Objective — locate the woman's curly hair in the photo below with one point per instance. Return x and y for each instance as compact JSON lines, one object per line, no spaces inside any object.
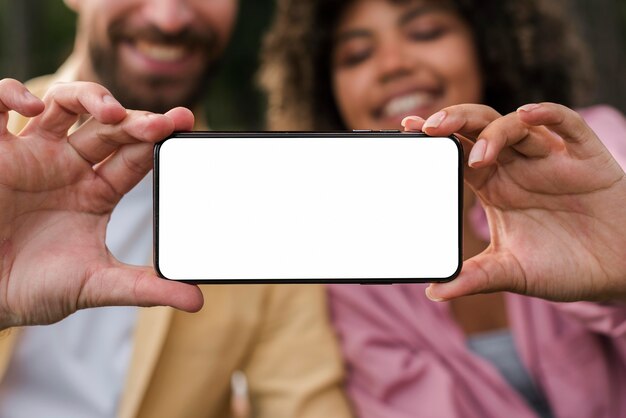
{"x":528,"y":53}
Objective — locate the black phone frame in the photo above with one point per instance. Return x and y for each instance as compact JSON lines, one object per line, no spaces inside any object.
{"x":305,"y":134}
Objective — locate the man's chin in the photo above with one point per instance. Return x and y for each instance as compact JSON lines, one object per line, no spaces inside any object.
{"x":149,"y":91}
{"x":159,"y":99}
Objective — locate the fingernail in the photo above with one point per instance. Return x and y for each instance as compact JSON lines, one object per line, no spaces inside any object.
{"x":528,"y":107}
{"x":477,"y":154}
{"x":30,"y":96}
{"x":413,"y":118}
{"x":435,"y":120}
{"x":152,"y":116}
{"x":108,"y":99}
{"x":429,"y":295}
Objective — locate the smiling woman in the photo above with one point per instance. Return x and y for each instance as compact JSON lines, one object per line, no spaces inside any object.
{"x":390,"y":62}
{"x":462,"y":64}
{"x":526,"y":50}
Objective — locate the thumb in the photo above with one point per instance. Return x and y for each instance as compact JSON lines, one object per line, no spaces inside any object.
{"x":487,"y":272}
{"x":138,"y":286}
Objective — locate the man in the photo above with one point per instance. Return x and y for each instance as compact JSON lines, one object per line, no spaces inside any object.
{"x":156,"y":55}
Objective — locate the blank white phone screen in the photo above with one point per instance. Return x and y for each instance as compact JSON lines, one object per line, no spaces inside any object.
{"x":314,"y":208}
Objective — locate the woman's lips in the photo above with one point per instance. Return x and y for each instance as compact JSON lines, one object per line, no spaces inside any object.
{"x":407,"y":104}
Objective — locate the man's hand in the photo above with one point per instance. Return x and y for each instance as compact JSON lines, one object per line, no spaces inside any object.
{"x":554,"y":197}
{"x":57,"y":192}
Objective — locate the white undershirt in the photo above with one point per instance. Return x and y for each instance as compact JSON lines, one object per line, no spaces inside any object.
{"x":77,"y":367}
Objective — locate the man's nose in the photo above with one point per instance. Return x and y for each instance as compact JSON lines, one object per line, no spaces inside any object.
{"x":170,"y":16}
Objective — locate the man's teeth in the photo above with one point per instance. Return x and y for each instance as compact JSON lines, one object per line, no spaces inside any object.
{"x":160,"y":52}
{"x":400,"y":106}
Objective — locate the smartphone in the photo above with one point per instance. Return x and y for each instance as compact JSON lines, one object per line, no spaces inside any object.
{"x":303,"y":207}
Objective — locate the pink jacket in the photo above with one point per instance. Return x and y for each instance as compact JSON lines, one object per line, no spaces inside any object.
{"x":406,"y":356}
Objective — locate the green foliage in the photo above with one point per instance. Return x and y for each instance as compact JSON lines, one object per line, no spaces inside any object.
{"x":233,"y":101}
{"x":36,"y":37}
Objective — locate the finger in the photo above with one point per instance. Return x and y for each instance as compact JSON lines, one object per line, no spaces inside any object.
{"x":182,"y":117}
{"x":413,"y":123}
{"x":138,"y":286}
{"x":124,"y":169}
{"x":484,"y":273}
{"x":563,"y":121}
{"x":473,"y":177}
{"x":14,"y":96}
{"x":95,"y":141}
{"x":510,"y":131}
{"x":66,"y":101}
{"x":468,"y":120}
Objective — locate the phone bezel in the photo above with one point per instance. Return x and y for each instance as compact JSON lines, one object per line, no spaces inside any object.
{"x":304,"y":134}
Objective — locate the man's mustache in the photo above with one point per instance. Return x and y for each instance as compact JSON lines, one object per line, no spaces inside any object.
{"x":194,"y":39}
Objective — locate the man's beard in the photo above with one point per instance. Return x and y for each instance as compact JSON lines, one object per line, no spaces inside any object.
{"x":152,"y":92}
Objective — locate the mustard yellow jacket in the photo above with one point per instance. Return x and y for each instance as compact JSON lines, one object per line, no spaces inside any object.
{"x":278,"y":335}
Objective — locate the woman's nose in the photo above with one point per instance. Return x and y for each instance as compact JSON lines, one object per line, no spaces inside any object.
{"x":393,"y":59}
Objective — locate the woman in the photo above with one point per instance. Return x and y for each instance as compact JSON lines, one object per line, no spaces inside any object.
{"x":368,"y":64}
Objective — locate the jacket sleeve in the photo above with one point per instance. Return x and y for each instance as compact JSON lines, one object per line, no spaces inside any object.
{"x":608,"y":319}
{"x":295,"y":368}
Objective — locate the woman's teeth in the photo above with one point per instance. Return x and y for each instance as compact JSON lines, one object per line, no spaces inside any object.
{"x":161,"y":52}
{"x":400,"y":106}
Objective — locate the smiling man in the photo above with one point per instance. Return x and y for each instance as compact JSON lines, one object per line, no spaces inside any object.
{"x":156,"y":55}
{"x":152,"y":55}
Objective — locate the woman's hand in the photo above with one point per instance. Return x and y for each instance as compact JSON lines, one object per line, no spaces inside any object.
{"x":57,"y":192}
{"x":555,"y":201}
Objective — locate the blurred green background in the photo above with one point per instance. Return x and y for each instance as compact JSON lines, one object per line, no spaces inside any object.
{"x":37,"y":35}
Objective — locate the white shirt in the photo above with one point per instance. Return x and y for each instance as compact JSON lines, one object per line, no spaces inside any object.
{"x":76,"y":368}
